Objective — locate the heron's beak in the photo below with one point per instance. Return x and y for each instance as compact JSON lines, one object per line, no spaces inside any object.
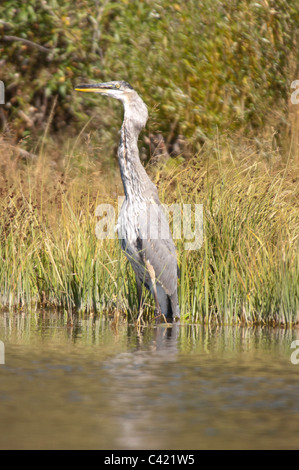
{"x":95,"y":87}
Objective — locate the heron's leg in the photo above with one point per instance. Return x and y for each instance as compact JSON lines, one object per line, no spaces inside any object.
{"x":139,"y":294}
{"x":152,"y":274}
{"x":158,"y":308}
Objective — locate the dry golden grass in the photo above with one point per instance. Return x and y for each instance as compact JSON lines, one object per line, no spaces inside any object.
{"x":246,"y":270}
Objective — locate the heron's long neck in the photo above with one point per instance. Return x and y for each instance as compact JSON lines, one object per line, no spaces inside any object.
{"x":134,"y":177}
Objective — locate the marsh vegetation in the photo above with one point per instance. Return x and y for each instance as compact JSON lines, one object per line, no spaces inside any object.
{"x":222,"y":133}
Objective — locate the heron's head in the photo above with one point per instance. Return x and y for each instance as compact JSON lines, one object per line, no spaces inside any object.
{"x":120,"y":90}
{"x":135,"y":108}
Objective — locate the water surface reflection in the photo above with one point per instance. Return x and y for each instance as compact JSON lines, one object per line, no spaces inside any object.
{"x":98,"y":385}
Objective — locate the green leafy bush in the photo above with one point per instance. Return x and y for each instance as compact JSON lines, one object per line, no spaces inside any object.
{"x":200,"y":65}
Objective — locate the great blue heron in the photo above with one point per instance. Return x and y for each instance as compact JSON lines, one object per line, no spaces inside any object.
{"x":142,"y":225}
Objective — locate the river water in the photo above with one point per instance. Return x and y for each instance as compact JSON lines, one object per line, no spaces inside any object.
{"x":98,"y":385}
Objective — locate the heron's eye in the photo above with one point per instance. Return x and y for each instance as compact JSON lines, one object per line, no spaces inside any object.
{"x":117,"y":85}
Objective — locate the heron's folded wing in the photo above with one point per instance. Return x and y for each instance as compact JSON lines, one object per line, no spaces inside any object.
{"x":157,"y":247}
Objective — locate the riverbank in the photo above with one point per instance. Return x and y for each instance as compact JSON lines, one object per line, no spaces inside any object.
{"x":245,"y":271}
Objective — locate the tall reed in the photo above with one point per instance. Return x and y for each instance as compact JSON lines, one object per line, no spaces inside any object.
{"x":246,"y":270}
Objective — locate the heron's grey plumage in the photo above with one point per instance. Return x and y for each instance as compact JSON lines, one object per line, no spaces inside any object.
{"x":142,"y":226}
